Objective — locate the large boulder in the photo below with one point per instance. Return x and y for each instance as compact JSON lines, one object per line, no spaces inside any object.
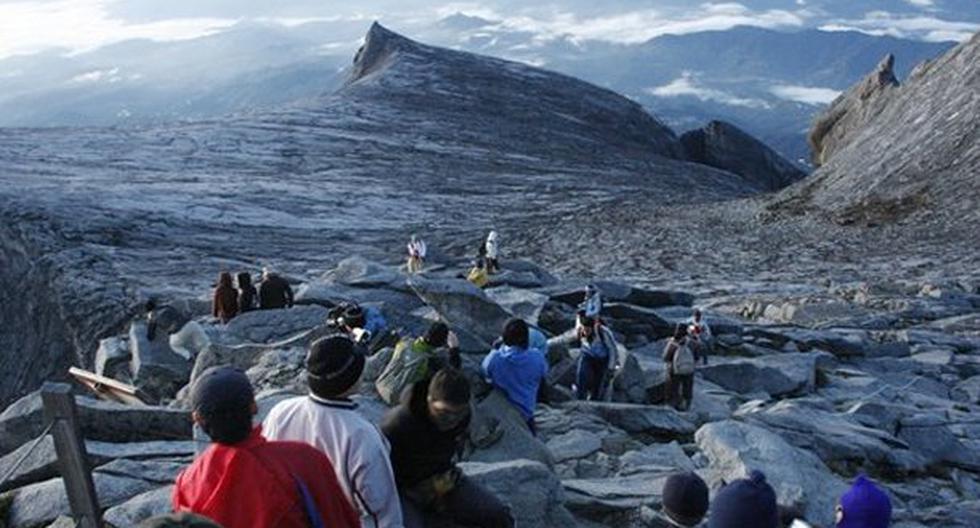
{"x":99,"y":420}
{"x":499,"y":433}
{"x":777,"y":375}
{"x":141,"y":507}
{"x":572,"y":445}
{"x":157,"y":371}
{"x":843,"y":343}
{"x":529,"y":488}
{"x":646,"y":420}
{"x":800,"y":479}
{"x":573,"y":295}
{"x":839,"y":439}
{"x":616,"y":501}
{"x":359,"y":272}
{"x":466,"y":308}
{"x":968,"y":390}
{"x":525,"y":304}
{"x":112,"y":359}
{"x":665,"y":456}
{"x":725,"y":146}
{"x":42,"y":503}
{"x":268,"y":326}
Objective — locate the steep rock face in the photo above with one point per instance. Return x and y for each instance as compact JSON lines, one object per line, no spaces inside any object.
{"x":99,"y":219}
{"x":906,"y":150}
{"x":725,"y":146}
{"x":836,"y":127}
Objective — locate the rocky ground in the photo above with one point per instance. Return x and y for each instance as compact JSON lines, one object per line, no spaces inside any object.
{"x":812,"y":384}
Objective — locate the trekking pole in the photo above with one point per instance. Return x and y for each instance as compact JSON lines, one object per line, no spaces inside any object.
{"x":60,"y":411}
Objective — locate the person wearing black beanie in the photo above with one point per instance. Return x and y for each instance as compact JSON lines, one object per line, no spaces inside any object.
{"x":327,"y":419}
{"x":745,"y":503}
{"x":685,"y":499}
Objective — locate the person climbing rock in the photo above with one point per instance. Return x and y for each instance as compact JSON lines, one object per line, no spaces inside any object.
{"x":517,"y":369}
{"x":274,"y":291}
{"x":224,"y":304}
{"x":598,"y":357}
{"x":416,"y":254}
{"x":685,"y":499}
{"x":415,"y":360}
{"x":478,"y":275}
{"x":247,"y":296}
{"x":744,"y":503}
{"x":699,"y":334}
{"x":365,"y":325}
{"x":245,"y":481}
{"x":328,"y":420}
{"x":681,"y":362}
{"x":427,"y":431}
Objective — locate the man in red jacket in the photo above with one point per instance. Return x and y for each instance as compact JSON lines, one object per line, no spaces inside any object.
{"x":245,"y":481}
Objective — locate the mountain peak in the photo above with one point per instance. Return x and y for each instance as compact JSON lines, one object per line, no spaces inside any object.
{"x":380,"y":44}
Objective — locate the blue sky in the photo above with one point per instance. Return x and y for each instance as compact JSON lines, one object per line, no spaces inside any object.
{"x":31,"y":26}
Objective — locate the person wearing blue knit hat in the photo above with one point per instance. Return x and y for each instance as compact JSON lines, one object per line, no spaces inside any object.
{"x":864,"y":506}
{"x":745,"y":503}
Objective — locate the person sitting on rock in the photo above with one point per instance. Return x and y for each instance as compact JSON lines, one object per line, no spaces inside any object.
{"x":415,"y":360}
{"x":427,"y":431}
{"x":492,"y":253}
{"x":224,"y":306}
{"x":328,"y":420}
{"x":247,"y":296}
{"x":598,"y":357}
{"x":745,"y":503}
{"x":700,"y":334}
{"x":366,"y":325}
{"x":244,"y":481}
{"x":864,"y":506}
{"x":517,"y":369}
{"x":681,"y":361}
{"x":274,"y":291}
{"x":478,"y":275}
{"x":416,"y":254}
{"x":685,"y":499}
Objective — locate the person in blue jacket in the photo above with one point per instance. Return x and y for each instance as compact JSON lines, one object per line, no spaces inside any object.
{"x":518,"y":368}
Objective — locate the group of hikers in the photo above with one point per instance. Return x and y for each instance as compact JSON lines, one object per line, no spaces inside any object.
{"x":315,"y":461}
{"x":274,"y":292}
{"x":486,"y":263}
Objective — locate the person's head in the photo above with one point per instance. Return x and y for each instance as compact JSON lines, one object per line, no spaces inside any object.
{"x":224,"y":279}
{"x":266,"y":272}
{"x":588,"y":325}
{"x":680,"y":331}
{"x":448,"y":401}
{"x":864,"y":506}
{"x":415,"y":239}
{"x":745,"y":502}
{"x":685,"y":498}
{"x":492,"y":236}
{"x":437,"y":334}
{"x":244,"y":279}
{"x":150,"y":305}
{"x":223,"y":403}
{"x":697,"y":314}
{"x":354,"y":317}
{"x":334,"y":366}
{"x":179,"y":520}
{"x":516,"y":333}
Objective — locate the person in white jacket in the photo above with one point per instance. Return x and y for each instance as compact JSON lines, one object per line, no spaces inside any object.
{"x":328,"y":420}
{"x":416,"y":254}
{"x":493,"y":252}
{"x":700,"y":334}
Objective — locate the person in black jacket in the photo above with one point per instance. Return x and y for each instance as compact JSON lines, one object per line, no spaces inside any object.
{"x":247,"y":296}
{"x":427,"y":431}
{"x":274,"y":291}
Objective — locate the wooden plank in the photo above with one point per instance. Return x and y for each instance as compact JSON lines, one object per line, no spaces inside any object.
{"x":107,"y":388}
{"x":59,"y":408}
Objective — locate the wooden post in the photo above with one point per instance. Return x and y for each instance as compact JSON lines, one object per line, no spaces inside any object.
{"x":59,"y":408}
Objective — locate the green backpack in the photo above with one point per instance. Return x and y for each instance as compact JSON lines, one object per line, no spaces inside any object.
{"x":408,"y":364}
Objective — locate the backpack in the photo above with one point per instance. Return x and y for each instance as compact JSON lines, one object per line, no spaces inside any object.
{"x":408,"y":364}
{"x":683,"y":363}
{"x":479,"y":277}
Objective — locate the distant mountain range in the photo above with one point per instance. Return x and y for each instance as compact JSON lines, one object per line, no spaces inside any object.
{"x":769,"y":83}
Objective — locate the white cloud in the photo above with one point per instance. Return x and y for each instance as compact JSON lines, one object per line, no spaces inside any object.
{"x":926,"y":28}
{"x":111,"y":76}
{"x":629,"y":27}
{"x":685,"y":85}
{"x":921,"y":3}
{"x":805,"y":94}
{"x":80,"y":25}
